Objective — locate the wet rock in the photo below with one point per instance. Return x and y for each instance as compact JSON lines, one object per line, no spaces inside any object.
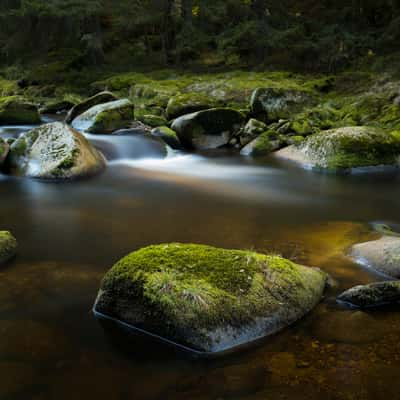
{"x":346,"y":149}
{"x":372,"y":295}
{"x":188,"y":103}
{"x":56,"y":107}
{"x":168,"y":136}
{"x":207,"y":298}
{"x":264,"y":144}
{"x":382,"y":255}
{"x":252,"y":130}
{"x":152,"y":120}
{"x":16,"y":110}
{"x":208,"y":129}
{"x":106,"y":118}
{"x":99,"y":98}
{"x":8,"y":246}
{"x":4,"y":149}
{"x":54,"y":151}
{"x":278,"y":103}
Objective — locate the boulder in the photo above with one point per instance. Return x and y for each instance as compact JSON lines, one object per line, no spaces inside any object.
{"x":99,"y":98}
{"x":382,"y":255}
{"x":188,"y":103}
{"x":264,"y":144}
{"x":208,"y":129}
{"x":4,"y":149}
{"x":168,"y":136}
{"x":205,"y":298}
{"x":15,"y":110}
{"x":278,"y":103}
{"x":8,"y":246}
{"x":152,"y":120}
{"x":372,"y":295}
{"x":54,"y":151}
{"x":251,"y":131}
{"x":106,"y":118}
{"x":346,"y":149}
{"x":56,"y":107}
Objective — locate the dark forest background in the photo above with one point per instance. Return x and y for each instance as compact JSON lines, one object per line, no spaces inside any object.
{"x":311,"y":35}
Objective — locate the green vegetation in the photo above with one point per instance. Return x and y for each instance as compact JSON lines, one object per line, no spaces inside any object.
{"x":8,"y":246}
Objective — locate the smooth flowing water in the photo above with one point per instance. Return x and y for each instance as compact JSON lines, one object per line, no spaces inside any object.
{"x":70,"y":234}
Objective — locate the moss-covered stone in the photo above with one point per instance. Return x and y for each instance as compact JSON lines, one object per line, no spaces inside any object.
{"x":188,"y":103}
{"x":252,"y":129}
{"x":372,"y":295}
{"x":56,"y":106}
{"x":99,"y":98}
{"x":8,"y":246}
{"x":106,"y":118}
{"x":207,"y":298}
{"x":151,"y":120}
{"x":168,"y":136}
{"x":208,"y":129}
{"x":345,"y":149}
{"x":4,"y":148}
{"x":278,"y":103}
{"x":264,"y":144}
{"x":54,"y":151}
{"x":16,"y":110}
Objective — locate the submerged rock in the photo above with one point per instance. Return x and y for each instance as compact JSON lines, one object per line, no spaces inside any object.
{"x":373,"y":295}
{"x":382,"y":255}
{"x":54,"y":151}
{"x":168,"y":136}
{"x":188,"y":103}
{"x":4,"y":148}
{"x":106,"y":118}
{"x":208,"y":129}
{"x":15,"y":110}
{"x":8,"y":246}
{"x":206,"y":298}
{"x":278,"y":103}
{"x":346,"y":149}
{"x":99,"y":98}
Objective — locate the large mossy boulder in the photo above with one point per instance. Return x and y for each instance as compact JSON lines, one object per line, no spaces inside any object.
{"x":106,"y":118}
{"x":54,"y":151}
{"x":99,"y":98}
{"x":187,"y":103}
{"x":346,"y":149}
{"x":278,"y":103}
{"x":208,"y":129}
{"x":15,"y":110}
{"x":207,"y":298}
{"x":4,"y":149}
{"x":372,"y":295}
{"x":382,"y":255}
{"x":8,"y":246}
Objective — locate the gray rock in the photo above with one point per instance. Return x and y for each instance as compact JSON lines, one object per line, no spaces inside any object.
{"x":373,"y":295}
{"x":99,"y":98}
{"x":168,"y":136}
{"x":54,"y":151}
{"x":208,"y":129}
{"x":252,"y":130}
{"x":4,"y":149}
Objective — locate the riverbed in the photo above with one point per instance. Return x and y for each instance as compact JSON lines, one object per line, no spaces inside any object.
{"x":70,"y":234}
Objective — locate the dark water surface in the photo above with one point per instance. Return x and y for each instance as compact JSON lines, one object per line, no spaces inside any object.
{"x":51,"y":346}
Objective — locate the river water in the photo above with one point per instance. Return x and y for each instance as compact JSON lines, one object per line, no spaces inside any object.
{"x":70,"y":234}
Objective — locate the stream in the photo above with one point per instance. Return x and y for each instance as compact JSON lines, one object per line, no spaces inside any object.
{"x":70,"y":234}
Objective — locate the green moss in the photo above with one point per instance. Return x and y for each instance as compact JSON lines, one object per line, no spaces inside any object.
{"x":187,"y":103}
{"x":168,"y":136}
{"x":8,"y":246}
{"x":186,"y":284}
{"x":16,"y":110}
{"x":151,"y":120}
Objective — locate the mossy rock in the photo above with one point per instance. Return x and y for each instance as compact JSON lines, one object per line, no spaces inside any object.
{"x":278,"y":103}
{"x":8,"y":246}
{"x":264,"y":144}
{"x":252,"y":129}
{"x":106,"y":118}
{"x":15,"y":110}
{"x":346,"y":149}
{"x":188,"y":103}
{"x":168,"y":136}
{"x":99,"y":98}
{"x":53,"y":151}
{"x":208,"y":129}
{"x":152,"y":120}
{"x":381,"y":255}
{"x":55,"y":107}
{"x":372,"y":295}
{"x":207,"y":298}
{"x":4,"y":149}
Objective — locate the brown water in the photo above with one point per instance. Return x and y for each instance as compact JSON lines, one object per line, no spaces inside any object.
{"x":51,"y":346}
